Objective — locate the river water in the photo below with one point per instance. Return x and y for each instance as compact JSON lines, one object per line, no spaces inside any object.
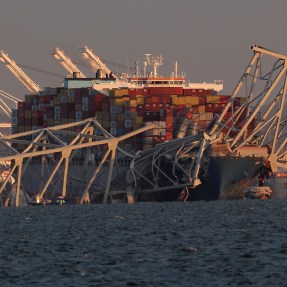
{"x":219,"y":243}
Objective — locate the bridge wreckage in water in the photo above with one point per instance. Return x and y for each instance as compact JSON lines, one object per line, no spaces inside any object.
{"x":242,"y":143}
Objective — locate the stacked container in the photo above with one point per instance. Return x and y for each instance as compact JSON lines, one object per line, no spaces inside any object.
{"x":122,"y":111}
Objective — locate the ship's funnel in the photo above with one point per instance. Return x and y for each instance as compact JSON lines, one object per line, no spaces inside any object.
{"x":76,"y":75}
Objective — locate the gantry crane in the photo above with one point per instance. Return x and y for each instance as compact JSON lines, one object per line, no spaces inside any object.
{"x":95,"y":60}
{"x":66,"y":62}
{"x":18,"y":73}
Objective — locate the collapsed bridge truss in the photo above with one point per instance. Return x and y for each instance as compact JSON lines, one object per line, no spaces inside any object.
{"x":254,"y":116}
{"x":20,"y":150}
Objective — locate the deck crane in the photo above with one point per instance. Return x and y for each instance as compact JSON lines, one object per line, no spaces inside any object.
{"x":66,"y":62}
{"x":95,"y":60}
{"x":18,"y":73}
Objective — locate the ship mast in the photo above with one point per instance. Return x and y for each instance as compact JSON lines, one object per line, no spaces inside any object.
{"x":154,"y":61}
{"x":176,"y":69}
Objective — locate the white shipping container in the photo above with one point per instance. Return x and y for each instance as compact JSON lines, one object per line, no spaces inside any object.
{"x":78,"y":114}
{"x":113,"y":109}
{"x":85,"y":107}
{"x":162,"y":132}
{"x":92,"y":92}
{"x":71,"y":93}
{"x":128,"y":123}
{"x":57,"y":117}
{"x":155,"y":132}
{"x":113,"y":124}
{"x":64,"y":99}
{"x":120,"y":109}
{"x":41,"y":107}
{"x":113,"y":131}
{"x":85,"y":100}
{"x":57,"y":110}
{"x":149,"y":133}
{"x":14,"y":113}
{"x":128,"y":115}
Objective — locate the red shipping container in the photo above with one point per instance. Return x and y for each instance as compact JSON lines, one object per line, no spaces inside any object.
{"x":179,"y":91}
{"x":152,"y":91}
{"x":224,"y":99}
{"x":132,"y":97}
{"x":154,"y":107}
{"x":21,"y":105}
{"x":140,"y":108}
{"x":132,"y":92}
{"x":202,"y":99}
{"x":169,"y":120}
{"x":165,"y":91}
{"x":147,"y":99}
{"x":195,"y":109}
{"x":45,"y":99}
{"x":166,"y":99}
{"x":147,"y":107}
{"x":155,"y":99}
{"x":99,"y":98}
{"x":187,"y":92}
{"x":37,"y":114}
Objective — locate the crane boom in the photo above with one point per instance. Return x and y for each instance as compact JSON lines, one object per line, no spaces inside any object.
{"x":65,"y":61}
{"x":18,"y":73}
{"x":95,"y":60}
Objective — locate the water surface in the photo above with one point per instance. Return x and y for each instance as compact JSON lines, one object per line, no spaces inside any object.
{"x":219,"y":243}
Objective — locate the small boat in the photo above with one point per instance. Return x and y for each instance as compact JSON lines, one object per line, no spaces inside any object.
{"x":257,"y":192}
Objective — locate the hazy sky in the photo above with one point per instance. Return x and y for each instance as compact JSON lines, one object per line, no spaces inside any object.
{"x":211,"y":39}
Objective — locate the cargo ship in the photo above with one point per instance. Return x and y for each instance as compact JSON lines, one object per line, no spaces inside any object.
{"x":181,"y":112}
{"x":122,"y":106}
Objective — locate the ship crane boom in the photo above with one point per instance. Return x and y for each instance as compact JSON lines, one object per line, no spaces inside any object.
{"x":66,"y":62}
{"x":94,"y":60}
{"x":18,"y":73}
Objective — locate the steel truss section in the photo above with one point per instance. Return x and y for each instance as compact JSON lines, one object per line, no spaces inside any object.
{"x":253,"y":117}
{"x":149,"y":170}
{"x":22,"y":148}
{"x":256,"y":112}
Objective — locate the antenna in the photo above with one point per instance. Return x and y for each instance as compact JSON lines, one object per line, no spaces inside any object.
{"x":176,"y":69}
{"x":155,"y":62}
{"x":145,"y":64}
{"x":137,"y":69}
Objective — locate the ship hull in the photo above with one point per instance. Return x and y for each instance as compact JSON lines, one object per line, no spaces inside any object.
{"x":226,"y":178}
